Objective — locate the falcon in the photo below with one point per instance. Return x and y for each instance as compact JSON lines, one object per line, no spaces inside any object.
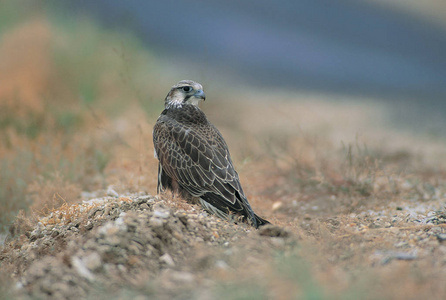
{"x":194,"y":159}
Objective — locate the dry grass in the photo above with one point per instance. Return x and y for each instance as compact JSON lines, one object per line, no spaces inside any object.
{"x":61,"y":100}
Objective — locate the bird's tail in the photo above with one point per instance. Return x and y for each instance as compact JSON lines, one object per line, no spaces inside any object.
{"x":253,"y":220}
{"x":260,"y":221}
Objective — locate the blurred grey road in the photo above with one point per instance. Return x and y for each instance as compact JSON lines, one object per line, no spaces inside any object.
{"x":334,"y":46}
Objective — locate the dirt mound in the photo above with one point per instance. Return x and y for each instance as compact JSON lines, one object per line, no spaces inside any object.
{"x":128,"y":243}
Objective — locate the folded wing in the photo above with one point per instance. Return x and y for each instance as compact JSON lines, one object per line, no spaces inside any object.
{"x":199,"y":160}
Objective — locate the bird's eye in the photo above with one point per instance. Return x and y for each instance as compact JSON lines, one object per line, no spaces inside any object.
{"x":187,"y":88}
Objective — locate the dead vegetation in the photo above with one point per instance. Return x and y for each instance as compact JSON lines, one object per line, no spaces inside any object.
{"x":364,"y":203}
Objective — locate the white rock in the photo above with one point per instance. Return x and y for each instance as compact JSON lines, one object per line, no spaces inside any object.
{"x":92,"y":261}
{"x":167,"y":259}
{"x":81,"y":268}
{"x":163,"y":214}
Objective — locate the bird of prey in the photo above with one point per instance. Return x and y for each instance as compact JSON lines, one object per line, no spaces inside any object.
{"x":194,"y":158}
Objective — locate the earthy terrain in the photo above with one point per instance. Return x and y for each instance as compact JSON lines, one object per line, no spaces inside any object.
{"x":358,"y":201}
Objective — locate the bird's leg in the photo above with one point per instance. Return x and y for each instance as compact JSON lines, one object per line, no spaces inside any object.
{"x":175,"y":188}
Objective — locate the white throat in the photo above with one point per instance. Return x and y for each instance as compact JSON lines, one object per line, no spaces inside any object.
{"x":194,"y":101}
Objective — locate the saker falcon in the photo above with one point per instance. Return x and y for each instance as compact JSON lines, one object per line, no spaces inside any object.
{"x":194,"y":158}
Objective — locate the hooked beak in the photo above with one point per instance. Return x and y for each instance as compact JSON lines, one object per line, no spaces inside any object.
{"x":200,"y":94}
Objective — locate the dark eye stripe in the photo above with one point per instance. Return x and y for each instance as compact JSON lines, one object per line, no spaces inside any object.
{"x":186,"y":98}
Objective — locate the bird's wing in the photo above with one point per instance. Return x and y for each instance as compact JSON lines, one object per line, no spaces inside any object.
{"x":199,"y":160}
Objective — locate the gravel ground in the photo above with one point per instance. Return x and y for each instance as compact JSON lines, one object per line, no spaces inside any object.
{"x":140,"y":246}
{"x":134,"y":243}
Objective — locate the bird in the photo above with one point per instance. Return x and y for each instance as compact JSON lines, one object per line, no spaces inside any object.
{"x":194,"y":158}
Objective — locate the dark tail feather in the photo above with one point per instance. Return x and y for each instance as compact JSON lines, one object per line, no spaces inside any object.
{"x":260,"y":221}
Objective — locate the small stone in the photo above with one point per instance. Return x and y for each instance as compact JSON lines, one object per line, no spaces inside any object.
{"x":221,"y":264}
{"x":183,"y":218}
{"x":74,"y":229}
{"x":162,"y":214}
{"x":182,"y":277}
{"x":109,"y":229}
{"x":89,"y":225}
{"x":144,"y":206}
{"x":144,"y":198}
{"x":155,"y":222}
{"x":277,"y":205}
{"x":81,"y":268}
{"x":35,"y":234}
{"x":167,"y":259}
{"x":441,"y":237}
{"x":387,"y":256}
{"x":192,"y":224}
{"x":122,"y":268}
{"x":92,"y":261}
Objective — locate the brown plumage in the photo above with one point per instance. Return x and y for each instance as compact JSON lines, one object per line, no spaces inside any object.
{"x":194,"y":158}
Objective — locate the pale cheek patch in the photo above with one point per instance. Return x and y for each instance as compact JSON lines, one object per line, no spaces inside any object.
{"x":194,"y":101}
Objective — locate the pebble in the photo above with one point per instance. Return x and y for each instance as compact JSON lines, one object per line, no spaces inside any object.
{"x":183,"y":218}
{"x":441,"y":237}
{"x":92,"y":261}
{"x":81,"y":268}
{"x":167,"y":259}
{"x":156,"y":222}
{"x":108,"y":229}
{"x":182,"y":277}
{"x":390,"y":255}
{"x":89,"y":225}
{"x":144,"y":206}
{"x":221,"y":264}
{"x":163,"y":214}
{"x":276,"y":205}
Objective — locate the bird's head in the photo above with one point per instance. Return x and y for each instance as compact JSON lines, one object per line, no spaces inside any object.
{"x":185,"y":92}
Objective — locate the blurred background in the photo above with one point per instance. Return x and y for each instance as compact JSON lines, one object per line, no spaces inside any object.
{"x":349,"y":47}
{"x":79,"y":79}
{"x":391,"y":51}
